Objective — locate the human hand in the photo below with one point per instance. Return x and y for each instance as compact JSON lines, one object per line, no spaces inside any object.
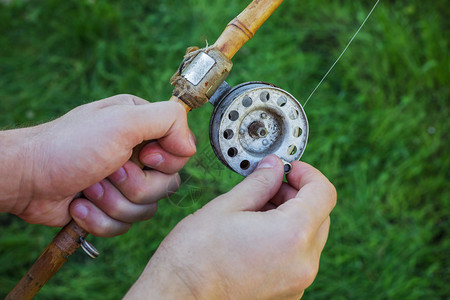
{"x":261,"y":240}
{"x":92,"y":142}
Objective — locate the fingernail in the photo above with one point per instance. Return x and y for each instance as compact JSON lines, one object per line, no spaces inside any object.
{"x":81,"y":211}
{"x":267,"y":162}
{"x":153,"y":160}
{"x":193,"y":141}
{"x":95,"y":191}
{"x":174,"y":184}
{"x":119,"y":175}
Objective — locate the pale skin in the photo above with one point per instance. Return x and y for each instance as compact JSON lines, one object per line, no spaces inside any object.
{"x":261,"y":240}
{"x":88,"y":150}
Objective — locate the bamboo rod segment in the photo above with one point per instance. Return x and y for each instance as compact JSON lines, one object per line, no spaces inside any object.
{"x":63,"y":245}
{"x":244,"y":26}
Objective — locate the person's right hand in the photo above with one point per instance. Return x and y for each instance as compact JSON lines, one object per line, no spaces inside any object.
{"x":261,"y":240}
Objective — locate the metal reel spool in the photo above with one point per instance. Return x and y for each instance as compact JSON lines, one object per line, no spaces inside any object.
{"x":253,"y":120}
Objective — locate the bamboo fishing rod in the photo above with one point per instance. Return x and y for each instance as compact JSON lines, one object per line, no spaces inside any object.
{"x":239,"y":31}
{"x":200,"y":75}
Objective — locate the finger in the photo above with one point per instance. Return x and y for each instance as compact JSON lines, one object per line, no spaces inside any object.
{"x":316,"y":196}
{"x":111,"y":201}
{"x":94,"y":220}
{"x":285,"y":193}
{"x":318,"y":242}
{"x":168,"y":123}
{"x":165,"y":121}
{"x":170,"y":144}
{"x":322,"y":234}
{"x":268,"y":206}
{"x":123,"y":99}
{"x":258,"y":188}
{"x":144,"y":187}
{"x":155,"y":157}
{"x":303,"y":174}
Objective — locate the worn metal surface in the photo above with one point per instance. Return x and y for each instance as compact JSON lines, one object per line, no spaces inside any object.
{"x":200,"y":75}
{"x":198,"y":68}
{"x":88,"y":248}
{"x":223,"y":89}
{"x":254,"y":120}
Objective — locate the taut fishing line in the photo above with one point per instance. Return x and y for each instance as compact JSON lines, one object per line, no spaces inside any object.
{"x":345,"y":49}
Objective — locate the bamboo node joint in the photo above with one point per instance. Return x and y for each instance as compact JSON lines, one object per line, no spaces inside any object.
{"x":241,"y":26}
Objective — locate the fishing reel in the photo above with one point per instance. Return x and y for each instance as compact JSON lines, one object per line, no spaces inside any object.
{"x":255,"y":119}
{"x":249,"y":121}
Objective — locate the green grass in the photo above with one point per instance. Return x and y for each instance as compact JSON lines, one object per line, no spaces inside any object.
{"x":379,"y":127}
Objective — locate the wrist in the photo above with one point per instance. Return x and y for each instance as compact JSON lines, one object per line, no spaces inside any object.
{"x":160,"y":281}
{"x":166,"y":277}
{"x":15,"y":160}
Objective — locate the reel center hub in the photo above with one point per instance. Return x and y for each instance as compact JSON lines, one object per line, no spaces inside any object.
{"x":260,"y":136}
{"x":257,"y":130}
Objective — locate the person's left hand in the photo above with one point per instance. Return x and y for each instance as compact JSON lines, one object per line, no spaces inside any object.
{"x":261,"y":240}
{"x":88,"y":150}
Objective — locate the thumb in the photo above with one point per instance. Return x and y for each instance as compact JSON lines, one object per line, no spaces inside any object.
{"x":258,"y":188}
{"x":166,"y":122}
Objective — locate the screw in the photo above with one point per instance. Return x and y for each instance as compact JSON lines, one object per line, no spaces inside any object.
{"x":262,"y":132}
{"x":263,"y":115}
{"x":265,"y":142}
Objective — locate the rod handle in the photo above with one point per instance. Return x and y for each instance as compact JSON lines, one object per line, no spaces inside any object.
{"x":63,"y":245}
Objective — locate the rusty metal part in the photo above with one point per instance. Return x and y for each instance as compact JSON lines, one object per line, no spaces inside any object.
{"x":287,"y":167}
{"x":253,"y":120}
{"x":88,"y":248}
{"x":200,"y":75}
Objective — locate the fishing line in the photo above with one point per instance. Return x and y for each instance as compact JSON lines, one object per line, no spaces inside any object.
{"x":345,"y":49}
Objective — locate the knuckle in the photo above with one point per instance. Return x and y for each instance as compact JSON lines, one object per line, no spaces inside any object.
{"x":332,"y":194}
{"x":100,"y":229}
{"x":151,"y":211}
{"x":310,"y":273}
{"x":297,"y":238}
{"x":138,"y":195}
{"x":108,"y":230}
{"x":100,"y":232}
{"x":115,"y":211}
{"x":304,"y":277}
{"x":126,"y":98}
{"x":300,"y":238}
{"x":296,"y":285}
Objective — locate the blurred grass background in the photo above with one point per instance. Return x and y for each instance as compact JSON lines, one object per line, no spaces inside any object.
{"x":379,"y":127}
